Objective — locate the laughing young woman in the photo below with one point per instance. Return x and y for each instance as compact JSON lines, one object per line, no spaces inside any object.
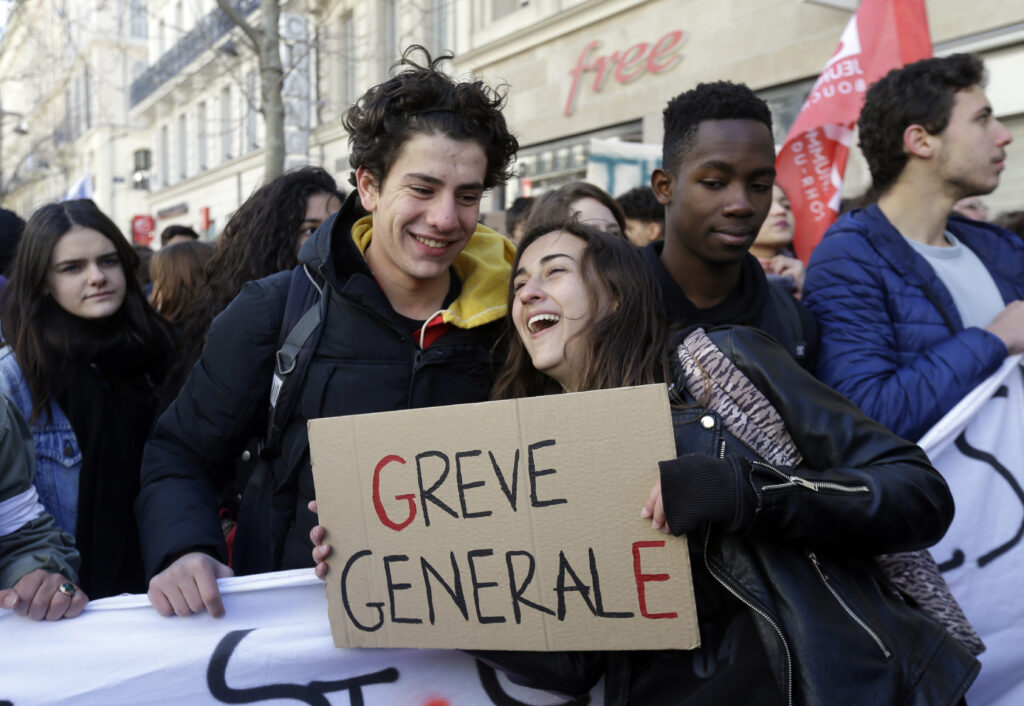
{"x":792,"y":608}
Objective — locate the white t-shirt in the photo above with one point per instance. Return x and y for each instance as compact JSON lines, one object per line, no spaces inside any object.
{"x":974,"y":292}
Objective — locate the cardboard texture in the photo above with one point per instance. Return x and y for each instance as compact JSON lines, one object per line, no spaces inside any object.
{"x":509,"y":525}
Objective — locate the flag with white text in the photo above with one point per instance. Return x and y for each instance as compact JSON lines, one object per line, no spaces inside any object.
{"x":882,"y":35}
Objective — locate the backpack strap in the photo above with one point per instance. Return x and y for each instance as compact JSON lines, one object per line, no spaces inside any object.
{"x":304,"y":313}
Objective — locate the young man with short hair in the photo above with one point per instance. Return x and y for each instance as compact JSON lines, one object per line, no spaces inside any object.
{"x":415,"y":292}
{"x":715,"y":182}
{"x":917,"y":306}
{"x":177,"y":234}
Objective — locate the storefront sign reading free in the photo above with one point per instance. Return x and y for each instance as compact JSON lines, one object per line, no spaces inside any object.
{"x":624,"y":66}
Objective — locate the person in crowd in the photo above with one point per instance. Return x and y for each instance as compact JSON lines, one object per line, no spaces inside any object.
{"x":38,"y":561}
{"x":11,"y":228}
{"x":972,"y":207}
{"x":645,"y":216}
{"x":83,"y":356}
{"x":171,"y":235}
{"x":1012,"y":221}
{"x":591,"y":203}
{"x":715,"y":183}
{"x":773,"y":246}
{"x":515,"y":217}
{"x":179,"y":277}
{"x":262,"y":237}
{"x":144,"y":255}
{"x":584,"y":314}
{"x":416,"y":299}
{"x":917,"y":306}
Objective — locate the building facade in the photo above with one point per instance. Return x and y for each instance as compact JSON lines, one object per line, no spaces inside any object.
{"x":64,"y":124}
{"x":587,"y":81}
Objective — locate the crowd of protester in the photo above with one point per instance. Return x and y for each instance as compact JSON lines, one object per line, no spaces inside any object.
{"x":143,"y":450}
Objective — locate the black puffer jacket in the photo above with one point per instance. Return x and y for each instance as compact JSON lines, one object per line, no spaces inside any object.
{"x":833,"y":629}
{"x":368,"y":360}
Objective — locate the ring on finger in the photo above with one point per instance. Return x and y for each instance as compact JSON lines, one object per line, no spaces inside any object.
{"x":67,"y":588}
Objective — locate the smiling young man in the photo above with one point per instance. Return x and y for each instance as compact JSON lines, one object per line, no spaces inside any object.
{"x":415,"y":292}
{"x":715,"y":182}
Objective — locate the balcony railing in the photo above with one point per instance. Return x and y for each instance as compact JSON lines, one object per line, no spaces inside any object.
{"x":200,"y":39}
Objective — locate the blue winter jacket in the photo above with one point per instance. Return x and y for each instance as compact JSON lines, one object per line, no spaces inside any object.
{"x":891,"y":338}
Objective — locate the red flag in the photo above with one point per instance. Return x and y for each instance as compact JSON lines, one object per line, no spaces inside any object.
{"x":882,"y":35}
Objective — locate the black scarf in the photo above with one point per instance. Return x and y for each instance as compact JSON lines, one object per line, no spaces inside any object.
{"x":743,"y":306}
{"x":104,"y":381}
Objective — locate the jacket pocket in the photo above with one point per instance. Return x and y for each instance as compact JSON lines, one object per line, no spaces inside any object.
{"x":58,"y":446}
{"x":860,"y":622}
{"x":58,"y":462}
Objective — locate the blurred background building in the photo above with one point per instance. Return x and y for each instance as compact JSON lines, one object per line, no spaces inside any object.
{"x":154,"y":107}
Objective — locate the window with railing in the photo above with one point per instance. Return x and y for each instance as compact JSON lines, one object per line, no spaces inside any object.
{"x":436,"y":25}
{"x":182,"y":146}
{"x":225,"y":124}
{"x":201,"y":38}
{"x":252,"y":97}
{"x":387,"y":24}
{"x":137,"y":19}
{"x":347,"y":61}
{"x":201,"y":136}
{"x":165,"y":156}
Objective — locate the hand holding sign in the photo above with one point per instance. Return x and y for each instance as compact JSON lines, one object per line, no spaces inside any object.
{"x":501,"y":525}
{"x":321,"y":549}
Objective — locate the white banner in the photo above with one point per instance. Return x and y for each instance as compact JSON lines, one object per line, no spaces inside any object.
{"x":979,"y":449}
{"x":273,"y":647}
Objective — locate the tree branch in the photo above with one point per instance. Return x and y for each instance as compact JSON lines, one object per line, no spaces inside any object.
{"x":252,"y":34}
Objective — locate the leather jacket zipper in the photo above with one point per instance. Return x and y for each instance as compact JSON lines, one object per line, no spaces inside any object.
{"x":849,"y":611}
{"x":816,"y":486}
{"x":764,"y":614}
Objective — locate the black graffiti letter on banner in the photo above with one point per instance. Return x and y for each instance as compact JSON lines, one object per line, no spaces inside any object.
{"x":312,"y":693}
{"x":1003,"y":472}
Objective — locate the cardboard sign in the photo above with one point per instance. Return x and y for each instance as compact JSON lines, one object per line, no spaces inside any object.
{"x":510,"y":525}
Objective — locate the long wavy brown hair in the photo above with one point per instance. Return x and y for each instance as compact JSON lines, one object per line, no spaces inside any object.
{"x":179,"y":277}
{"x":27,"y":311}
{"x":258,"y":240}
{"x":625,"y":346}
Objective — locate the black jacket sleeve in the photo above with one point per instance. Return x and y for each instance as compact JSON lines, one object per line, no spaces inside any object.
{"x":860,"y":489}
{"x":222,"y":404}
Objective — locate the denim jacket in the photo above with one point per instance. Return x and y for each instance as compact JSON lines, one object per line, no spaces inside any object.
{"x":58,"y":455}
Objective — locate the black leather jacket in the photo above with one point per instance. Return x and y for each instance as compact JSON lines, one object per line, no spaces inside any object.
{"x":834,"y":630}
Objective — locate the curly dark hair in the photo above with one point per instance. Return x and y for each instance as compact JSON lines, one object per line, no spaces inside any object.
{"x":721,"y":100}
{"x":258,"y":240}
{"x":922,"y":94}
{"x":640,"y":203}
{"x":627,"y":346}
{"x":422,"y":99}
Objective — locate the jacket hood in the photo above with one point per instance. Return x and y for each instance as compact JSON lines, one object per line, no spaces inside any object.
{"x":484,"y":267}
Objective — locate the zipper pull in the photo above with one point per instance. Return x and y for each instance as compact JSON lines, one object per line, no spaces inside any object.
{"x":797,"y":480}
